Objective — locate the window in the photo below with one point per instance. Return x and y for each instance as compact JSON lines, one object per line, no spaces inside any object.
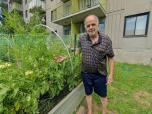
{"x":82,"y":28}
{"x":102,"y":25}
{"x":53,"y":15}
{"x":67,"y":30}
{"x":26,"y":14}
{"x":136,"y":25}
{"x":25,"y":1}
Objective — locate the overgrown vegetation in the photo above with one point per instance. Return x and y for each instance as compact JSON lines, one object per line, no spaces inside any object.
{"x":13,"y":22}
{"x":28,"y":70}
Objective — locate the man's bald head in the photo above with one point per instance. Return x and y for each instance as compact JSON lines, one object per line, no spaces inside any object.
{"x":91,"y":17}
{"x":91,"y":24}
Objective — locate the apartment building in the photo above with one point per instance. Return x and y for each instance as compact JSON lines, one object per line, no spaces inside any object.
{"x":127,"y":22}
{"x":66,"y":16}
{"x":23,"y":6}
{"x":3,"y":4}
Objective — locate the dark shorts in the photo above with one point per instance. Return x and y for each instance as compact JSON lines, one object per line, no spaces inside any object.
{"x":94,"y":82}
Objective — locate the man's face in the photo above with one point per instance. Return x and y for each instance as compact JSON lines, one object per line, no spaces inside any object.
{"x":91,"y":26}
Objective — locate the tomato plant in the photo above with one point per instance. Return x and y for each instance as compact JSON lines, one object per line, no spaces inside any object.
{"x":29,"y":71}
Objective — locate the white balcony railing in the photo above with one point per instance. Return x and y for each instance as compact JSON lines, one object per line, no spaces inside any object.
{"x":36,"y":3}
{"x":17,"y":6}
{"x":84,"y":4}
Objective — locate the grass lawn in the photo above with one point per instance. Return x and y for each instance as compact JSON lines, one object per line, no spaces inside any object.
{"x":131,"y":92}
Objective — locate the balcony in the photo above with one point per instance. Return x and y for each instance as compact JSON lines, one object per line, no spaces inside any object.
{"x":77,"y":11}
{"x":17,"y":6}
{"x":62,"y":11}
{"x":36,"y":3}
{"x":18,"y":1}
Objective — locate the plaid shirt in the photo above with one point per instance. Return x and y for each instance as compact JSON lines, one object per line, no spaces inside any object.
{"x":94,"y":56}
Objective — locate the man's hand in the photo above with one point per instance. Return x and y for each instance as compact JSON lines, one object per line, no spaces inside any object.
{"x":110,"y":79}
{"x":111,"y":70}
{"x":59,"y":58}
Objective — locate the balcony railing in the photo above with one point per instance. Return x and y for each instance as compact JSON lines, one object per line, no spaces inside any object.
{"x":85,"y":4}
{"x":36,"y":3}
{"x":17,"y":6}
{"x":69,"y":8}
{"x":18,"y":1}
{"x":64,"y":0}
{"x":62,"y":11}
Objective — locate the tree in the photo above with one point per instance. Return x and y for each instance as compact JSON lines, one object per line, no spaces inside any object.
{"x":13,"y":23}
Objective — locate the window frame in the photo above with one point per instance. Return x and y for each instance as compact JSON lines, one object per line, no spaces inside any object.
{"x":26,"y":13}
{"x":53,"y":15}
{"x":136,"y":15}
{"x":67,"y":28}
{"x":25,"y":2}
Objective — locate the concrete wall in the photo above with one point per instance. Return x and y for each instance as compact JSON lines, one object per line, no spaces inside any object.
{"x":71,"y":102}
{"x":135,"y":49}
{"x":50,"y":5}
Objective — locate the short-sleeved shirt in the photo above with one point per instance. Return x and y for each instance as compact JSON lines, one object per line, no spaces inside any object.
{"x":94,"y":56}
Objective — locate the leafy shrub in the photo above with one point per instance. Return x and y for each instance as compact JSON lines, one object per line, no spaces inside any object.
{"x":32,"y":72}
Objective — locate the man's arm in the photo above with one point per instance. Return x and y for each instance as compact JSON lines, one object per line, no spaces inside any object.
{"x":111,"y":70}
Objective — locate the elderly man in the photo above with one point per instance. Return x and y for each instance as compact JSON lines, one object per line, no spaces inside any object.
{"x":96,"y":50}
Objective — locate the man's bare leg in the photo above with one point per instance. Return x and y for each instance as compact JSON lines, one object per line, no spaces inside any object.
{"x":104,"y":102}
{"x":89,"y":104}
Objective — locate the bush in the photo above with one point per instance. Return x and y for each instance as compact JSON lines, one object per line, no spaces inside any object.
{"x":33,"y":72}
